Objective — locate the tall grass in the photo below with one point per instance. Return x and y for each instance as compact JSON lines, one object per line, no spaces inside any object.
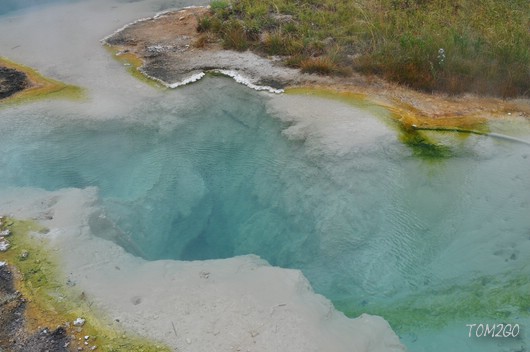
{"x":485,"y":44}
{"x":234,"y":36}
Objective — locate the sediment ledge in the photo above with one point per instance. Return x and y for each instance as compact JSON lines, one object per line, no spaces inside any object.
{"x":168,"y":48}
{"x":172,"y":53}
{"x":20,"y":83}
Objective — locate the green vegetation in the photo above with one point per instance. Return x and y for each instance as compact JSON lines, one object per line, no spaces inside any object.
{"x":432,"y":45}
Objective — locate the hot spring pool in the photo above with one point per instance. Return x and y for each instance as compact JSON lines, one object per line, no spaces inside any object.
{"x":431,"y":245}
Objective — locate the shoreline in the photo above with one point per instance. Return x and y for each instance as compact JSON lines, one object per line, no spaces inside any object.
{"x":168,"y":49}
{"x":36,"y":86}
{"x":41,"y":310}
{"x":233,"y":304}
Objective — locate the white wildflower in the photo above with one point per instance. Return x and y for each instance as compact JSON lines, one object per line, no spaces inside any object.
{"x":441,"y":56}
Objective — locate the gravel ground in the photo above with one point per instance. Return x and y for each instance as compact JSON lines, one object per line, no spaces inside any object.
{"x":14,"y":334}
{"x":11,"y":82}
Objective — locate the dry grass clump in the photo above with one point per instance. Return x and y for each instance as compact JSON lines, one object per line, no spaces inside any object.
{"x":278,"y":43}
{"x":234,"y":36}
{"x":322,"y":65}
{"x":203,"y":40}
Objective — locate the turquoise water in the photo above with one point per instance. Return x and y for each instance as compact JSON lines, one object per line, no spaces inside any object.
{"x":431,"y":245}
{"x":7,"y":6}
{"x":10,"y":6}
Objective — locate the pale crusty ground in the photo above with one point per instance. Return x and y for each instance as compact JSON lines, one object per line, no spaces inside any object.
{"x":177,"y":58}
{"x":166,"y":44}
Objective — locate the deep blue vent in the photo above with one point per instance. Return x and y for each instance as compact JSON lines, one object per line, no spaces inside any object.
{"x":372,"y":228}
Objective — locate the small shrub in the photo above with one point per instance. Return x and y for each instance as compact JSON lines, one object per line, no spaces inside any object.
{"x":252,"y":30}
{"x":234,"y":37}
{"x":204,"y":24}
{"x":217,"y":25}
{"x":201,"y":41}
{"x":274,"y":43}
{"x":258,"y":10}
{"x":218,"y":5}
{"x":295,"y":61}
{"x":277,"y":43}
{"x":209,"y":23}
{"x":290,"y":28}
{"x":314,"y":47}
{"x":222,"y":10}
{"x":321,"y":65}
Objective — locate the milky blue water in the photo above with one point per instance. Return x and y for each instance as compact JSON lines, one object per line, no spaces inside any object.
{"x":431,"y":245}
{"x":7,"y":6}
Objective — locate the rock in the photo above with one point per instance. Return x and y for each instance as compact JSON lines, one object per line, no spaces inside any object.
{"x":329,"y":41}
{"x":4,"y":245}
{"x":5,"y":233}
{"x":79,"y":322}
{"x":3,"y":264}
{"x":278,"y":17}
